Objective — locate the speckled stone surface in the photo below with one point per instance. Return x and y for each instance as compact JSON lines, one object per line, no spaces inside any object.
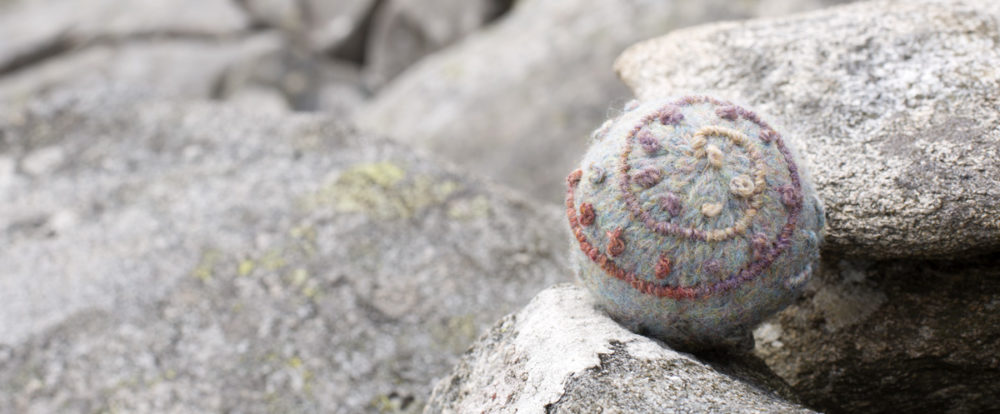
{"x":560,"y":355}
{"x":900,"y":336}
{"x":896,"y":104}
{"x":692,"y":221}
{"x":190,"y":257}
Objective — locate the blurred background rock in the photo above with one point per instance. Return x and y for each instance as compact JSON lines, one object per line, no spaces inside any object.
{"x":507,"y":89}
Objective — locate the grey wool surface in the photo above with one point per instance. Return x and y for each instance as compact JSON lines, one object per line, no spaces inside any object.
{"x":694,"y":221}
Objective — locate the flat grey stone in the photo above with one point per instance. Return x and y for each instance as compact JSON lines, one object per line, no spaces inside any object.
{"x":189,"y":257}
{"x":33,"y":30}
{"x":559,"y":354}
{"x":166,"y":68}
{"x":893,"y":103}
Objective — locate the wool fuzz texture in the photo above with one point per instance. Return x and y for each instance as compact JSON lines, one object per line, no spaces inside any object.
{"x":692,"y":221}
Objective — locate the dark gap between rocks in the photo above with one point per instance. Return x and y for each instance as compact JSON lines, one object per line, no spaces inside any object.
{"x":355,"y":47}
{"x":53,"y":48}
{"x":63,"y":45}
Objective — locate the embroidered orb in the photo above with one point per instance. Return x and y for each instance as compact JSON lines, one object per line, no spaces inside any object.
{"x":699,"y":224}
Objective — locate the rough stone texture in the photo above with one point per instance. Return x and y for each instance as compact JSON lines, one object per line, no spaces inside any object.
{"x":34,"y":30}
{"x":895,"y":103}
{"x":518,"y":100}
{"x":561,"y":355}
{"x":185,"y":257}
{"x":172,"y":68}
{"x":894,"y":336}
{"x":403,"y":31}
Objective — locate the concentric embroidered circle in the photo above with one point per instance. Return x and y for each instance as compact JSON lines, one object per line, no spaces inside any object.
{"x":698,"y":144}
{"x":745,"y":187}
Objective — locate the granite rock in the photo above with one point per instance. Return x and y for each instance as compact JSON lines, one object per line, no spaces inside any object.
{"x":894,"y":104}
{"x":174,"y":55}
{"x":167,"y":68}
{"x":189,"y":257}
{"x":34,"y":30}
{"x":559,"y":354}
{"x":517,"y":101}
{"x":898,"y":336}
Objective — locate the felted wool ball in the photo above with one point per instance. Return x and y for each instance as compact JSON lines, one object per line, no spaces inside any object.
{"x":692,"y":221}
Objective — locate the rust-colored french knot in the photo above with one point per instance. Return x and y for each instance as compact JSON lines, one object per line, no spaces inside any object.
{"x":587,"y":215}
{"x":790,"y":197}
{"x":729,"y":112}
{"x":616,"y":246}
{"x":574,"y":177}
{"x":760,"y":244}
{"x":662,"y":268}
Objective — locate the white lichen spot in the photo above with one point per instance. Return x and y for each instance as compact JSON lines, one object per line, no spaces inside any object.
{"x":769,"y":334}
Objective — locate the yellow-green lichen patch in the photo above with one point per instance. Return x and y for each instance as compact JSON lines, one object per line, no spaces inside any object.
{"x":288,"y":261}
{"x":382,"y":190}
{"x":310,"y":290}
{"x":455,"y":333}
{"x":206,"y":265}
{"x":245,"y":267}
{"x":443,"y":189}
{"x":305,"y":239}
{"x":469,"y":208}
{"x":298,"y":277}
{"x":272,"y":259}
{"x":308,"y":140}
{"x":305,"y":375}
